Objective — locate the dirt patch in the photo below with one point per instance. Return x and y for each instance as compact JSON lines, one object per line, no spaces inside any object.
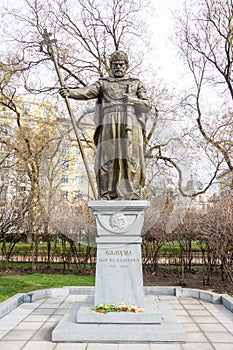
{"x":52,"y":271}
{"x":193,"y":279}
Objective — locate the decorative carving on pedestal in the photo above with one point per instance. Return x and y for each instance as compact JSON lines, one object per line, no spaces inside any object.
{"x":117,"y":223}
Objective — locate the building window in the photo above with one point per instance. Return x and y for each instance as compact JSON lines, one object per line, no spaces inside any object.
{"x":7,"y":114}
{"x":78,"y":195}
{"x":65,"y":165}
{"x":46,"y":110}
{"x":64,"y":195}
{"x":27,"y":107}
{"x":3,"y":131}
{"x":78,"y":165}
{"x":33,"y":124}
{"x":65,"y":150}
{"x":65,"y":179}
{"x":79,"y":180}
{"x":43,"y":180}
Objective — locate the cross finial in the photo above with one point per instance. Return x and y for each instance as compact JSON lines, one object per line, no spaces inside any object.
{"x":47,"y":41}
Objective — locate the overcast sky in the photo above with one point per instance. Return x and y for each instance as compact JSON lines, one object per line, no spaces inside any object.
{"x":163,"y":25}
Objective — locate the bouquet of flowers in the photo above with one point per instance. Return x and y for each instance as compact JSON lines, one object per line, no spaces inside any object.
{"x":122,"y":307}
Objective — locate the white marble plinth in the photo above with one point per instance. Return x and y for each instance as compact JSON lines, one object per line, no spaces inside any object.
{"x":81,"y":324}
{"x":119,"y":266}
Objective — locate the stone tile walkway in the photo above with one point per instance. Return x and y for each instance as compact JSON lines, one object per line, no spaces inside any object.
{"x":28,"y":327}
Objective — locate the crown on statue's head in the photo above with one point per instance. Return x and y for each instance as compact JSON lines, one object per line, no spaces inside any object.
{"x":119,"y":56}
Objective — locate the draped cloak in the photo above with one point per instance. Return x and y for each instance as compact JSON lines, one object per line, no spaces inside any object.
{"x":119,"y":162}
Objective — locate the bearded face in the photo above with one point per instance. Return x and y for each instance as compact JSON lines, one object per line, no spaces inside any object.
{"x":119,"y":68}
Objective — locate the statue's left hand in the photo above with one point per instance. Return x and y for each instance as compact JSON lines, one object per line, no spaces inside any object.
{"x":130,"y":99}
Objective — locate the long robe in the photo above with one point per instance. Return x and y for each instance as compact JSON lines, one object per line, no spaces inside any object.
{"x":119,"y":162}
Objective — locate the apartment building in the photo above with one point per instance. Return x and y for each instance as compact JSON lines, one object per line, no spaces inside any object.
{"x":36,"y":125}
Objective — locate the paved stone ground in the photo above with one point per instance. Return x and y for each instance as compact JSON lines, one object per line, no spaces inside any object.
{"x":28,"y":327}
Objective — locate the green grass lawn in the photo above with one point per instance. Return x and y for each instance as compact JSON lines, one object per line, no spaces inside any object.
{"x":10,"y":285}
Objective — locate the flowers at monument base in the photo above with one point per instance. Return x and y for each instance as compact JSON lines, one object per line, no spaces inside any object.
{"x":122,"y":307}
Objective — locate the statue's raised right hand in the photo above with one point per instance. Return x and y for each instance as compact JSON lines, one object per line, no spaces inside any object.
{"x":64,"y":91}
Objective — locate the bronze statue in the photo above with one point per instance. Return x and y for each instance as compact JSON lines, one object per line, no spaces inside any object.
{"x":120,"y":126}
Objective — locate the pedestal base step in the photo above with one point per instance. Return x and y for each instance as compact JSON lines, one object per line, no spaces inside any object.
{"x":151,"y":315}
{"x":97,"y":329}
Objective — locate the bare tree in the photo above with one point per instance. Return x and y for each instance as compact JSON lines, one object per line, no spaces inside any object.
{"x":205,"y":41}
{"x":86,"y":31}
{"x":14,"y":207}
{"x":25,"y":145}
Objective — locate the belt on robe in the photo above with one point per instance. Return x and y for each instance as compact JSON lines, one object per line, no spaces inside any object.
{"x":118,"y":108}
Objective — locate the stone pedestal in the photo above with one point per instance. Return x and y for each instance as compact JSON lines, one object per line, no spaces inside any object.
{"x":119,"y":266}
{"x":119,"y":279}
